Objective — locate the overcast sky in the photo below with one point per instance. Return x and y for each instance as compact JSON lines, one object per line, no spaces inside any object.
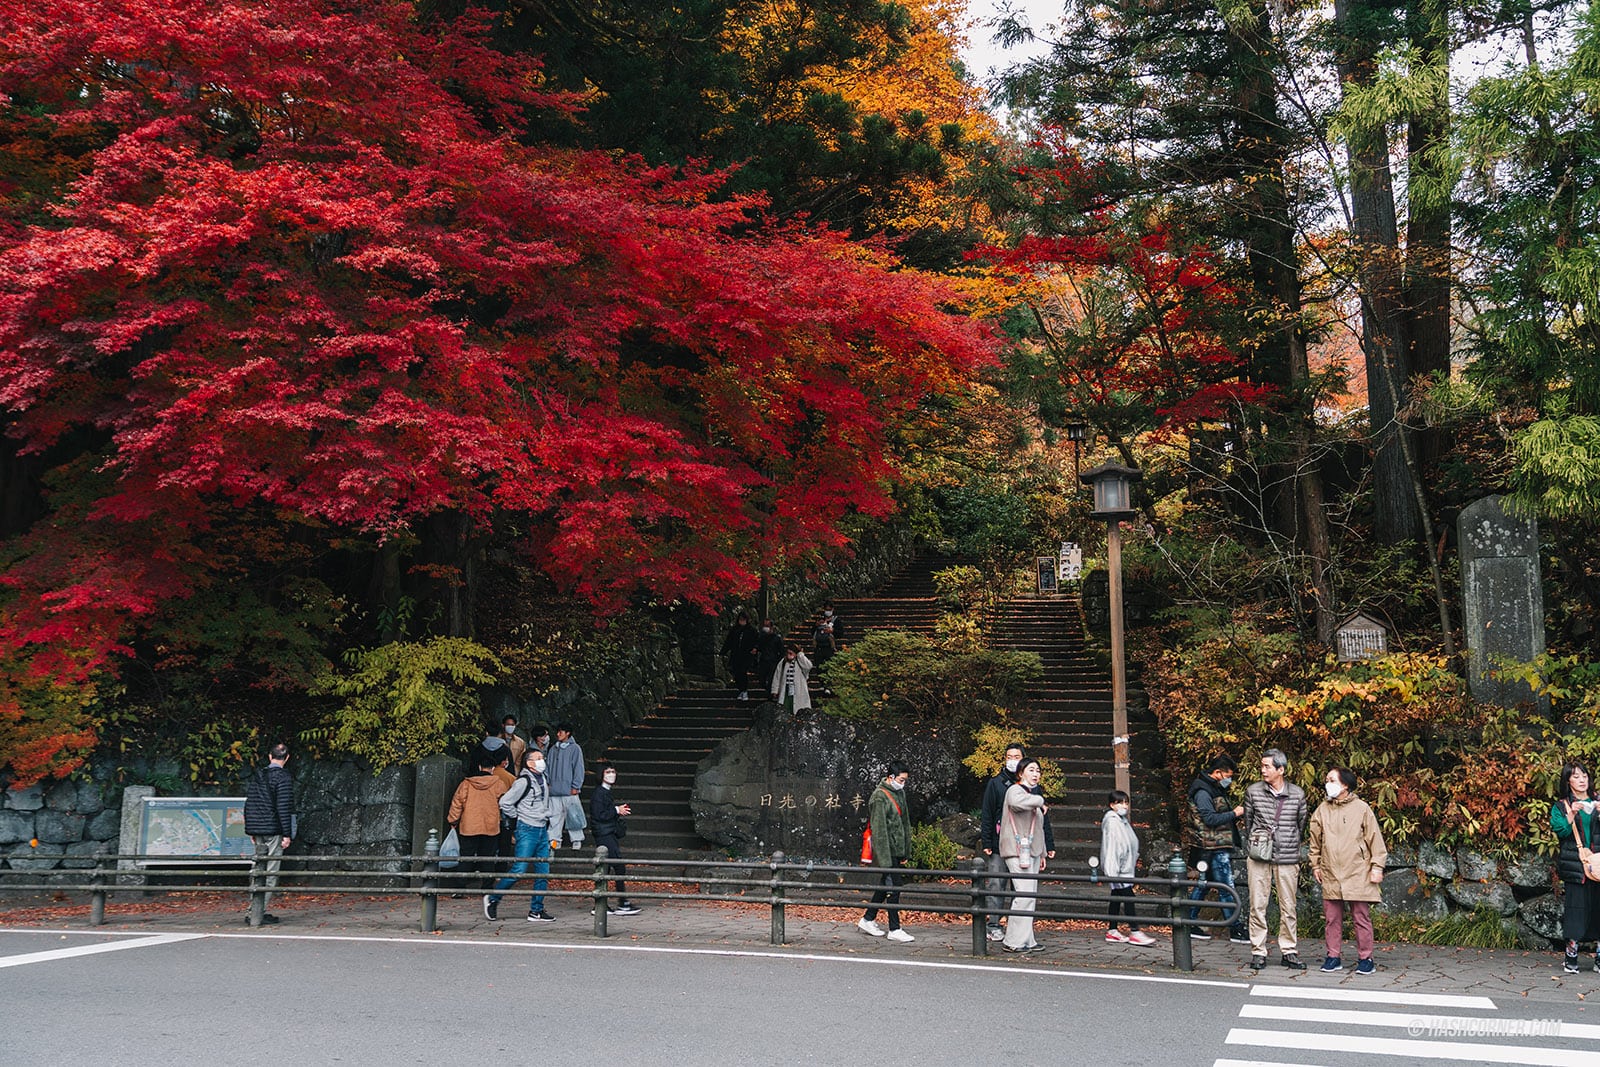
{"x":981,"y":56}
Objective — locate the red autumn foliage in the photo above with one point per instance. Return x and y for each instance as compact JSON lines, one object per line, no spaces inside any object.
{"x":308,"y":261}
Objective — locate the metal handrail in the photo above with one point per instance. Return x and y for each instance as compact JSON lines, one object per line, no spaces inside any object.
{"x":776,"y":882}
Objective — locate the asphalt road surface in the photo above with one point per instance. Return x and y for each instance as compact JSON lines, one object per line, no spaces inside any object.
{"x":170,"y":1000}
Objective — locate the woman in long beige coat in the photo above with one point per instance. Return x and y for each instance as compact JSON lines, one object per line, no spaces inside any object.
{"x":1347,"y":860}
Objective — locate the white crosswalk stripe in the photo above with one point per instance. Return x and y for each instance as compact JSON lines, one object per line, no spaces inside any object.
{"x":1331,"y":1027}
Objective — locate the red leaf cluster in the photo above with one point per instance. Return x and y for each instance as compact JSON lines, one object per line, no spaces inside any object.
{"x":313,"y":263}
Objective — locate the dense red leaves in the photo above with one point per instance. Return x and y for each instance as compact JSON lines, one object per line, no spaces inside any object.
{"x":310,"y":264}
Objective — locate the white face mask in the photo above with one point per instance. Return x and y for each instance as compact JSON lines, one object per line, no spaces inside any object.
{"x":511,"y":729}
{"x":1120,"y":809}
{"x":827,"y":614}
{"x":538,"y":766}
{"x":1334,"y":789}
{"x":1225,"y":782}
{"x":1011,"y":766}
{"x":895,"y":783}
{"x":609,"y":777}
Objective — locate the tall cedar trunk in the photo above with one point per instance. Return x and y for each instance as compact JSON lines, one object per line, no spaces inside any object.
{"x":1428,"y":267}
{"x":451,"y":551}
{"x":1275,"y":277}
{"x":1376,"y":242}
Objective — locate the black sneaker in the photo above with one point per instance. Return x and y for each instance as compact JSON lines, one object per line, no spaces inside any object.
{"x":1257,"y":962}
{"x":541,"y":917}
{"x":1571,"y":966}
{"x":269,"y":919}
{"x":624,"y":909}
{"x":1239,"y":938}
{"x":491,"y":909}
{"x":1292,"y":961}
{"x":1199,"y":935}
{"x":1332,"y":963}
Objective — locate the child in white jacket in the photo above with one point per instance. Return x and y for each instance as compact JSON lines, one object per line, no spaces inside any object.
{"x":1119,"y":856}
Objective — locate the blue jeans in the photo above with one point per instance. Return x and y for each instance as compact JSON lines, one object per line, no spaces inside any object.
{"x":1219,"y":868}
{"x":533,"y":842}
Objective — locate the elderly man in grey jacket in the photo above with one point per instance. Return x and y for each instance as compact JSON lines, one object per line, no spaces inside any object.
{"x":1274,"y":825}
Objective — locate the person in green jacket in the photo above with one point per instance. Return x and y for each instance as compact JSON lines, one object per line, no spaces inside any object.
{"x":889,"y":817}
{"x":1575,"y":819}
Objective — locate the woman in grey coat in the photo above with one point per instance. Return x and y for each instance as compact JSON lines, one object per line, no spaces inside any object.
{"x":1119,"y":859}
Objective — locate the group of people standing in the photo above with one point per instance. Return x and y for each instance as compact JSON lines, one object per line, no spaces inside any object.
{"x":779,"y":663}
{"x":518,"y":801}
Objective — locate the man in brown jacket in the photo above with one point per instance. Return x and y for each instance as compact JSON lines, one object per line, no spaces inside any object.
{"x":1347,"y":859}
{"x":475,"y":815}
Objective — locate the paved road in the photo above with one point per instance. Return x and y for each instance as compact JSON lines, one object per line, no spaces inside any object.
{"x":194,"y":998}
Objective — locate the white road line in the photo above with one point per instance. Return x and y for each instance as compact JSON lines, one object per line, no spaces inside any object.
{"x":1258,"y":1063}
{"x":1450,"y":1025}
{"x":1373,"y":996}
{"x":815,"y":957}
{"x":89,"y":950}
{"x":1461,"y":1051}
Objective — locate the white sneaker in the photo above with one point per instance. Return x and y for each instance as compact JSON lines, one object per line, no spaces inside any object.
{"x":867,"y":926}
{"x":744,"y":696}
{"x":1116,"y":937}
{"x":900,"y":935}
{"x":1140,"y":938}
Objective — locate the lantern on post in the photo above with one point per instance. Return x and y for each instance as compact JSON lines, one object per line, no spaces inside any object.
{"x":1077,"y":432}
{"x":1113,"y":501}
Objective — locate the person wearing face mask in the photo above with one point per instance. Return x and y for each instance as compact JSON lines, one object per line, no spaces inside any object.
{"x":605,"y":820}
{"x":566,"y":783}
{"x":994,"y":799}
{"x":475,"y":816}
{"x":1214,"y":825}
{"x":1274,"y":817}
{"x":519,"y":747}
{"x":790,"y":685}
{"x":741,"y":648}
{"x":1119,"y":859}
{"x":889,"y":817}
{"x":1575,"y":818}
{"x":1347,"y":859}
{"x":835,"y":625}
{"x":528,"y":801}
{"x":1024,"y":848}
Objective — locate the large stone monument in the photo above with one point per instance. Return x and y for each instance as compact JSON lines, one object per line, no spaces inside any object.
{"x":1502,"y":597}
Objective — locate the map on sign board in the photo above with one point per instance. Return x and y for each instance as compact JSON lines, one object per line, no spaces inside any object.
{"x":197,"y":829}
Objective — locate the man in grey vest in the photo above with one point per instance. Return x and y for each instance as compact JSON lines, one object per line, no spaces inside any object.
{"x":1274,"y":824}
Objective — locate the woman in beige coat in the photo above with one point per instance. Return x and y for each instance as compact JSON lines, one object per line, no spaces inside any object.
{"x":1347,"y":860}
{"x":1022,"y":846}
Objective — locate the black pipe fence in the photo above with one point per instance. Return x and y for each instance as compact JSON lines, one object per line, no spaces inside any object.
{"x":776,"y":882}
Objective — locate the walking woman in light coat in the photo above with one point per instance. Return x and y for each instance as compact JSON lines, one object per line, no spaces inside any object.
{"x":1347,"y":859}
{"x":1022,"y":846}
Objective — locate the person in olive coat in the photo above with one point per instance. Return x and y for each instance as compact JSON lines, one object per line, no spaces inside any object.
{"x":889,"y":817}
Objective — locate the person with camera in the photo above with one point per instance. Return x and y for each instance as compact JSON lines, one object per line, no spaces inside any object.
{"x":1574,"y":818}
{"x":605,"y":820}
{"x":1214,"y":825}
{"x":1274,"y":821}
{"x":1023,"y":846}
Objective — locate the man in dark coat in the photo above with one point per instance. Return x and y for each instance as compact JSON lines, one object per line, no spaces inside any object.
{"x":1214,"y":825}
{"x":994,"y":800}
{"x":269,"y":817}
{"x":769,"y":652}
{"x":741,"y":649}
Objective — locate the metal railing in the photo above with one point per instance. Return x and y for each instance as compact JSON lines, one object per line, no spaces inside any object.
{"x":777,"y":883}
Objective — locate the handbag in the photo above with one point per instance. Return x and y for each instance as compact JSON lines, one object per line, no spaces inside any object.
{"x":866,"y":845}
{"x":450,"y":851}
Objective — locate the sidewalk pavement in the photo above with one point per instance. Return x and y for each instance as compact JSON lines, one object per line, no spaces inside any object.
{"x":809,"y":930}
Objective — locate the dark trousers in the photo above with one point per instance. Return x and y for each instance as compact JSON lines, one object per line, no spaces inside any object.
{"x":1580,"y":913}
{"x":616,"y":870}
{"x":888,"y":894}
{"x":1123,"y":899}
{"x":478,"y":852}
{"x":999,"y":899}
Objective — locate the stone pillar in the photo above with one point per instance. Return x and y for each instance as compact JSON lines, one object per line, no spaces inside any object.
{"x":437,"y":778}
{"x":128,"y":839}
{"x":1502,"y":597}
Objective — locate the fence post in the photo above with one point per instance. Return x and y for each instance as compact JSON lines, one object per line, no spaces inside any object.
{"x":980,"y":920}
{"x":1182,"y":946}
{"x":600,"y":855}
{"x":778,"y":861}
{"x":97,"y":899}
{"x":430,"y":883}
{"x":258,"y":900}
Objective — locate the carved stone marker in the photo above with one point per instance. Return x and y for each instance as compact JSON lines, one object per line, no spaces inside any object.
{"x":1502,"y":595}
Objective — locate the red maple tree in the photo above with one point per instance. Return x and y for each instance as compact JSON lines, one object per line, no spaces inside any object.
{"x":306,"y":259}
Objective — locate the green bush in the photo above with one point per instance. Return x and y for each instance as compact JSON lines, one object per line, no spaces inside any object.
{"x":892,"y":676}
{"x":932,"y":849}
{"x":1483,"y":928}
{"x":408,"y":700}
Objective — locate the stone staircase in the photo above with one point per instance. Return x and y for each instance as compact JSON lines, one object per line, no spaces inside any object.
{"x":1068,"y":713}
{"x":656,"y":762}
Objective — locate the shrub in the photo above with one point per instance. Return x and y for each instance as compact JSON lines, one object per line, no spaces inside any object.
{"x":991,"y":740}
{"x":892,"y":676}
{"x":1483,"y":928}
{"x":408,"y":700}
{"x":932,"y":849}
